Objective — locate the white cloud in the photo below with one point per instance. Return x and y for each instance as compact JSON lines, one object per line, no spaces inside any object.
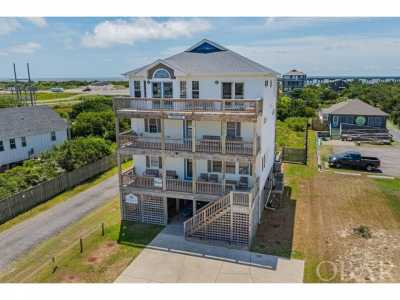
{"x":328,"y":55}
{"x":8,"y":25}
{"x":109,"y":33}
{"x":38,"y":21}
{"x":26,"y":48}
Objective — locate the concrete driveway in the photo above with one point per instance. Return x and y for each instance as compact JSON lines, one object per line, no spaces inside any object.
{"x":389,"y":155}
{"x":171,"y":259}
{"x":22,"y":237}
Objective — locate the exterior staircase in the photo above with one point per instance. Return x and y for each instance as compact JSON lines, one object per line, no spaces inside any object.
{"x":227,"y":219}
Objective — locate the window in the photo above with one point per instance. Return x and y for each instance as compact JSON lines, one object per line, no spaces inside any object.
{"x":136,"y":88}
{"x":230,"y":167}
{"x":23,"y":141}
{"x":53,"y":136}
{"x":161,"y":73}
{"x":244,"y":168}
{"x":1,"y":146}
{"x":233,"y":129}
{"x":152,"y":125}
{"x":239,"y":90}
{"x":12,"y":144}
{"x":182,"y":85}
{"x":167,"y":87}
{"x":227,"y":90}
{"x":195,"y":90}
{"x":156,"y":88}
{"x":214,"y":166}
{"x":153,"y":162}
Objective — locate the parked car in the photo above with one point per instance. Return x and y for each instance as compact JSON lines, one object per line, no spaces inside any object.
{"x":86,"y":89}
{"x":354,"y":159}
{"x":57,"y":90}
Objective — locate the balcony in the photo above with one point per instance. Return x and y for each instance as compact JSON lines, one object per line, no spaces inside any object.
{"x":207,"y":144}
{"x":156,"y":182}
{"x":194,"y":107}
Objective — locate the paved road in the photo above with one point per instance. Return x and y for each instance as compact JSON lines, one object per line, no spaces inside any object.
{"x":22,"y":237}
{"x":169,"y":258}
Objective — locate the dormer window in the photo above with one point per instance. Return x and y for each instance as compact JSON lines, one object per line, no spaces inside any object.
{"x":161,"y":73}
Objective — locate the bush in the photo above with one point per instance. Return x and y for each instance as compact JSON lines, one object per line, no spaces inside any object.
{"x":296,"y":123}
{"x":66,"y":157}
{"x":91,"y":104}
{"x":100,"y":124}
{"x":81,"y":151}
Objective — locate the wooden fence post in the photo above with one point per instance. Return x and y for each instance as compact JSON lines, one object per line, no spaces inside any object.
{"x":81,"y":244}
{"x":102,"y":229}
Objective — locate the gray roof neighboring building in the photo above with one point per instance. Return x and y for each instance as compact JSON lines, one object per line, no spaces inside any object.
{"x":294,"y":72}
{"x":28,"y":121}
{"x":219,"y":62}
{"x":353,"y":107}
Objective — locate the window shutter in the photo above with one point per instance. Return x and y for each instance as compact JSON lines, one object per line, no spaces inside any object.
{"x":238,"y":129}
{"x":146,"y":125}
{"x":147,"y":162}
{"x":209,"y":166}
{"x":160,"y":162}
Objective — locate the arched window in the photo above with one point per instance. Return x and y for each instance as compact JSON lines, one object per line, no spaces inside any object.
{"x":161,"y":73}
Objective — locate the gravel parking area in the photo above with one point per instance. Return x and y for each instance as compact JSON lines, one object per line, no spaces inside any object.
{"x":388,"y":154}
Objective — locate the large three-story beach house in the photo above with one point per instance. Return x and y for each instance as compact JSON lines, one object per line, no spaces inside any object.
{"x":202,"y":140}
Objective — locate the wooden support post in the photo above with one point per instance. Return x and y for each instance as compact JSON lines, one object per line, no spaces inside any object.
{"x":162,"y":134}
{"x":165,"y":201}
{"x":223,"y":176}
{"x":164,"y":171}
{"x":177,"y":205}
{"x":194,"y":207}
{"x":194,"y":175}
{"x":223,"y":136}
{"x":231,"y":223}
{"x":119,"y":165}
{"x":194,"y":124}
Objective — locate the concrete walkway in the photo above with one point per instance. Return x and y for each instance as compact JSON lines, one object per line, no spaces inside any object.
{"x":171,"y":259}
{"x":22,"y":237}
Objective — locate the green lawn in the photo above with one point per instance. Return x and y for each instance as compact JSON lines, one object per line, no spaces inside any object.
{"x":391,"y":189}
{"x":43,"y":96}
{"x":103,"y":257}
{"x":288,"y":137}
{"x":62,"y":197}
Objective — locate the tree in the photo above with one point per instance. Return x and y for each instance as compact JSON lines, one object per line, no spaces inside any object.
{"x":100,"y":124}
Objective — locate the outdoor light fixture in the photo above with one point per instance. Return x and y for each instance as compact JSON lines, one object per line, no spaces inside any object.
{"x":216,"y":81}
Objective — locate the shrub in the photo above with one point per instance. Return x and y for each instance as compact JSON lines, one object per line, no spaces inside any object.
{"x":100,"y":124}
{"x":91,"y":104}
{"x":296,"y":123}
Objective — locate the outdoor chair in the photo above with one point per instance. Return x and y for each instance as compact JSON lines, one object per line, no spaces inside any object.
{"x":213,"y":178}
{"x":244,"y":183}
{"x":203,"y":177}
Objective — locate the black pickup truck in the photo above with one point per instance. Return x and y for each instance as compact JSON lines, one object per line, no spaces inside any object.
{"x":354,"y":159}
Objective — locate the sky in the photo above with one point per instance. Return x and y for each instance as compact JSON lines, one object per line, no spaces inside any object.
{"x":107,"y":47}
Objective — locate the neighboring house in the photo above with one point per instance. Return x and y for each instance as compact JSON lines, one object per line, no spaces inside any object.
{"x":27,"y":131}
{"x":202,"y":140}
{"x":353,"y":114}
{"x":294,"y":79}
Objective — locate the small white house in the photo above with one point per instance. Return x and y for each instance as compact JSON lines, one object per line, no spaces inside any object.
{"x":28,"y":131}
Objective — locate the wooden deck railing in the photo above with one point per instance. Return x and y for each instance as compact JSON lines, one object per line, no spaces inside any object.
{"x":188,"y":105}
{"x":177,"y":185}
{"x":127,"y":139}
{"x":128,"y":178}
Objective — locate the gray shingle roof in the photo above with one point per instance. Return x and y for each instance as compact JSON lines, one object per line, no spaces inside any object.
{"x":28,"y":121}
{"x":214,"y":63}
{"x":295,"y":72}
{"x":354,"y":107}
